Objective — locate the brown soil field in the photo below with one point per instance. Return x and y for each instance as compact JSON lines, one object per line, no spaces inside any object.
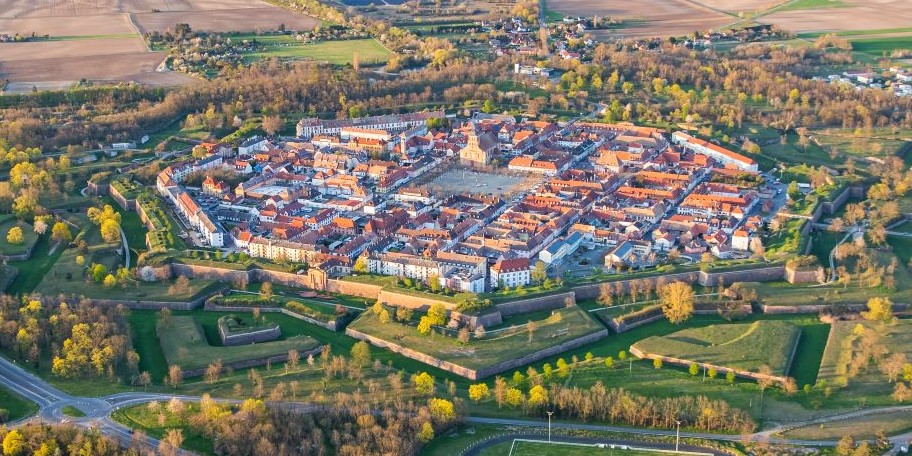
{"x":139,"y":67}
{"x":74,"y":48}
{"x":100,"y":24}
{"x":111,"y":54}
{"x":239,"y":20}
{"x":736,"y":6}
{"x":861,"y":15}
{"x":646,"y":18}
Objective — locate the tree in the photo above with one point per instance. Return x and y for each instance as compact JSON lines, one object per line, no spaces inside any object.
{"x":677,"y":300}
{"x":538,"y":396}
{"x":539,"y":272}
{"x":361,"y":265}
{"x":272,"y":124}
{"x":514,"y":397}
{"x":213,"y":371}
{"x":424,"y":325}
{"x":424,"y":384}
{"x":426,"y":434}
{"x":110,"y":231}
{"x":657,"y":363}
{"x":60,"y":232}
{"x":479,"y":392}
{"x":294,"y":358}
{"x":793,"y":191}
{"x":711,"y":372}
{"x":606,"y":294}
{"x":266,"y":291}
{"x":14,"y":443}
{"x":110,"y":281}
{"x":694,"y":369}
{"x":879,"y":309}
{"x":175,"y":375}
{"x":360,"y":353}
{"x":846,"y":446}
{"x":730,"y":376}
{"x":609,"y":362}
{"x":488,"y":107}
{"x":14,"y":236}
{"x":500,"y":390}
{"x":442,"y":410}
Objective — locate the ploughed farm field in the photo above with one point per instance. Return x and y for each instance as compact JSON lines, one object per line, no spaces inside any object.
{"x":102,"y":40}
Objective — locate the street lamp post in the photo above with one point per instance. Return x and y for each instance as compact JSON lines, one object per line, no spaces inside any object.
{"x":677,"y":435}
{"x":549,"y":425}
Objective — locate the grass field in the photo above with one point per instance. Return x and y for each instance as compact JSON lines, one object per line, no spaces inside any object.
{"x":370,"y":51}
{"x":29,"y":237}
{"x":564,"y":325}
{"x":74,"y":412}
{"x":185,"y":342}
{"x":863,"y":427}
{"x":543,"y":448}
{"x":812,"y":4}
{"x":142,"y":417}
{"x":747,"y":346}
{"x":842,"y":344}
{"x":15,"y":406}
{"x":877,"y":46}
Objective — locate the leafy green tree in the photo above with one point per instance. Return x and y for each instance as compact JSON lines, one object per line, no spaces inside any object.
{"x":360,"y":353}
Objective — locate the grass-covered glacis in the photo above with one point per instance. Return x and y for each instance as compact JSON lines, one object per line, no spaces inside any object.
{"x":748,"y":346}
{"x":495,"y":346}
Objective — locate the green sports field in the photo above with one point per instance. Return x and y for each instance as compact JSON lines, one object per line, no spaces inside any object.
{"x":543,"y":448}
{"x":370,"y":51}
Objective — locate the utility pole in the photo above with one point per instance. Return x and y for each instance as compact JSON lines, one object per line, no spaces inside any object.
{"x":677,"y":435}
{"x":549,"y":425}
{"x":631,"y":365}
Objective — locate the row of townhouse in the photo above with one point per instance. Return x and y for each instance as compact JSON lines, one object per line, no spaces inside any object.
{"x":720,"y":154}
{"x":466,"y":273}
{"x":309,"y":127}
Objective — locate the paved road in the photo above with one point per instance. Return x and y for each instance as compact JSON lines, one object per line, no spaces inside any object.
{"x":51,"y":402}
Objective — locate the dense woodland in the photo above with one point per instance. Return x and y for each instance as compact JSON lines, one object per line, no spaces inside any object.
{"x":43,"y":440}
{"x":82,"y":340}
{"x":763,"y":84}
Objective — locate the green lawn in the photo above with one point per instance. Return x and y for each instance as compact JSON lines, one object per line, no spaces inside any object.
{"x":812,"y":4}
{"x":191,"y":344}
{"x":370,"y":51}
{"x":67,"y":277}
{"x":33,"y":270}
{"x":16,"y":407}
{"x":863,"y":427}
{"x":877,"y":46}
{"x":747,"y":346}
{"x":142,"y":417}
{"x":563,"y":325}
{"x":786,"y":294}
{"x":806,"y":364}
{"x":7,"y":275}
{"x":29,"y":237}
{"x":73,"y":412}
